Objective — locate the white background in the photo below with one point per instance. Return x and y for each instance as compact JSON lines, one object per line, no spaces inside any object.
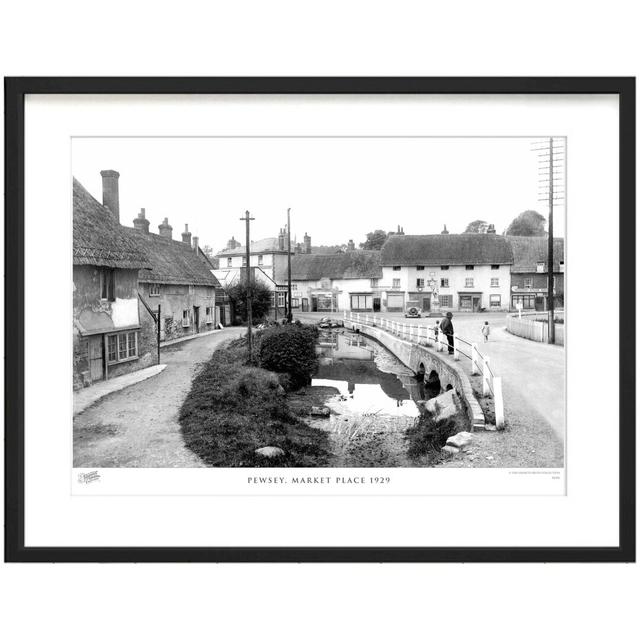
{"x":308,"y":601}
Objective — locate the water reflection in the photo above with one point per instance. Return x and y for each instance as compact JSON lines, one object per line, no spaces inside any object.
{"x":348,"y":363}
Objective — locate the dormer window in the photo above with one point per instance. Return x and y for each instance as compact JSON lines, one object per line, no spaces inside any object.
{"x":469,"y":267}
{"x":397,"y":268}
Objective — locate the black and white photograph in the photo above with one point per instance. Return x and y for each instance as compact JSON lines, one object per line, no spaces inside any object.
{"x":319,"y":301}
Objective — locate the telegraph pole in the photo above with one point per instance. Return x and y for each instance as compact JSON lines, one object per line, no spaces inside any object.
{"x":552,"y":326}
{"x":551,"y":161}
{"x":248,"y":219}
{"x":289,"y":312}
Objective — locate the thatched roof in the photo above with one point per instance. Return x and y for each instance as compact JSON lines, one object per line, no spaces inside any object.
{"x":446,"y":249}
{"x":349,"y":265}
{"x":98,"y":238}
{"x":172,"y":261}
{"x":529,"y":250}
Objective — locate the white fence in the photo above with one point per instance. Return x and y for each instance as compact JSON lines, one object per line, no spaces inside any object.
{"x":532,"y":327}
{"x":429,"y":336}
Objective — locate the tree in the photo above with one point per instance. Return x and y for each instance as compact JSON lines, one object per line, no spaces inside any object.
{"x":528,"y":223}
{"x":477,"y":226}
{"x":374,"y":240}
{"x":261,"y":299}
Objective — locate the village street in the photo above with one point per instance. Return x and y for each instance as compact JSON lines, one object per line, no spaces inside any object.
{"x":532,"y":373}
{"x":138,"y":426}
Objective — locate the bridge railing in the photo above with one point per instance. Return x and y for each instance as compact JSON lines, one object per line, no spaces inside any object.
{"x":430,"y":336}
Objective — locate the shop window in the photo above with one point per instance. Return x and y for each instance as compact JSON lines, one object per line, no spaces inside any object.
{"x":494,"y":301}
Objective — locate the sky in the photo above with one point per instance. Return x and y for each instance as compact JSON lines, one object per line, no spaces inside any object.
{"x":337,"y":188}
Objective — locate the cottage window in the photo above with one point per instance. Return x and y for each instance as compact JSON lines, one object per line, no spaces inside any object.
{"x":244,"y":261}
{"x":446,"y":301}
{"x":294,"y":287}
{"x":444,"y":283}
{"x":209,"y":315}
{"x":374,"y":282}
{"x":469,"y":267}
{"x":260,"y":260}
{"x":468,"y":282}
{"x":494,"y":301}
{"x":540,"y":267}
{"x":154,"y":289}
{"x":420,"y":283}
{"x":420,"y":268}
{"x":122,"y":346}
{"x":495,"y":282}
{"x":229,"y":262}
{"x":186,"y":318}
{"x":397,"y":268}
{"x":108,"y":284}
{"x":295,"y":303}
{"x":528,"y":283}
{"x":495,"y":267}
{"x":444,"y":267}
{"x":281,"y":298}
{"x":396,"y":283}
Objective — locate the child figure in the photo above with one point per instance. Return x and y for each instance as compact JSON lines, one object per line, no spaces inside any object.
{"x":486,"y":331}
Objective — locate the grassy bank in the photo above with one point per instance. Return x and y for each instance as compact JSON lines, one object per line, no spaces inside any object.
{"x":233,"y":409}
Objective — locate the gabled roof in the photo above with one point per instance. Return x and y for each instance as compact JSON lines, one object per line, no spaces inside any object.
{"x":266,"y":245}
{"x":349,"y":265}
{"x":529,"y":250}
{"x":98,"y":238}
{"x":172,"y":261}
{"x":445,"y":249}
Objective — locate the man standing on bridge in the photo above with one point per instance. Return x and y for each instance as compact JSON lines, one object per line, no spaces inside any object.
{"x":446,"y":326}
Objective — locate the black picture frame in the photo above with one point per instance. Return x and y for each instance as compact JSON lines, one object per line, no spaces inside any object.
{"x":15,"y":91}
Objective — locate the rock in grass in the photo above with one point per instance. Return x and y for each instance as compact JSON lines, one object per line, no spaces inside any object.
{"x":320,"y":411}
{"x":443,"y":406}
{"x":460,"y":440}
{"x":269,"y":452}
{"x":450,"y":451}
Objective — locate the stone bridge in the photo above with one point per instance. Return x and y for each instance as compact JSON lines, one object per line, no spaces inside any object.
{"x":423,"y":360}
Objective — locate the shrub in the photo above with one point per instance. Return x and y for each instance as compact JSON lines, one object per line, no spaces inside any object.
{"x":260,"y":304}
{"x":233,"y":409}
{"x":290,"y":349}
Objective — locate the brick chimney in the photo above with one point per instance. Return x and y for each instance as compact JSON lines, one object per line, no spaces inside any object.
{"x":165,"y":229}
{"x":110,"y":193}
{"x":233,"y":243}
{"x":307,"y":243}
{"x":351,"y":245}
{"x":281,"y":240}
{"x":195,"y":243}
{"x":186,"y":235}
{"x":141,"y":223}
{"x":444,"y":232}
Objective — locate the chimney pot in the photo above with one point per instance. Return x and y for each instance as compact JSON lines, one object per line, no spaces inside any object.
{"x":140,"y":223}
{"x":110,"y":192}
{"x":165,"y":229}
{"x":195,"y":243}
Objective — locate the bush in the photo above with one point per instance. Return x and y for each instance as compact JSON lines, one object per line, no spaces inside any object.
{"x":233,"y":409}
{"x":290,"y":349}
{"x":260,"y":304}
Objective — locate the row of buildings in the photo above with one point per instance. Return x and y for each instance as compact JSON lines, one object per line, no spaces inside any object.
{"x":456,"y":272}
{"x":123,"y":276}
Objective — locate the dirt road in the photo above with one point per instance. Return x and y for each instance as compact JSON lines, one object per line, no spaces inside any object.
{"x":138,"y":426}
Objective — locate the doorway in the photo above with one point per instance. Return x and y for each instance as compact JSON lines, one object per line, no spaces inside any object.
{"x":196,"y":318}
{"x":426,"y":304}
{"x":96,"y":357}
{"x":475,"y":303}
{"x":376,"y":305}
{"x":305,"y":304}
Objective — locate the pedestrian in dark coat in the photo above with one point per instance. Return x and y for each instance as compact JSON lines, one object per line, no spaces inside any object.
{"x":446,"y":326}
